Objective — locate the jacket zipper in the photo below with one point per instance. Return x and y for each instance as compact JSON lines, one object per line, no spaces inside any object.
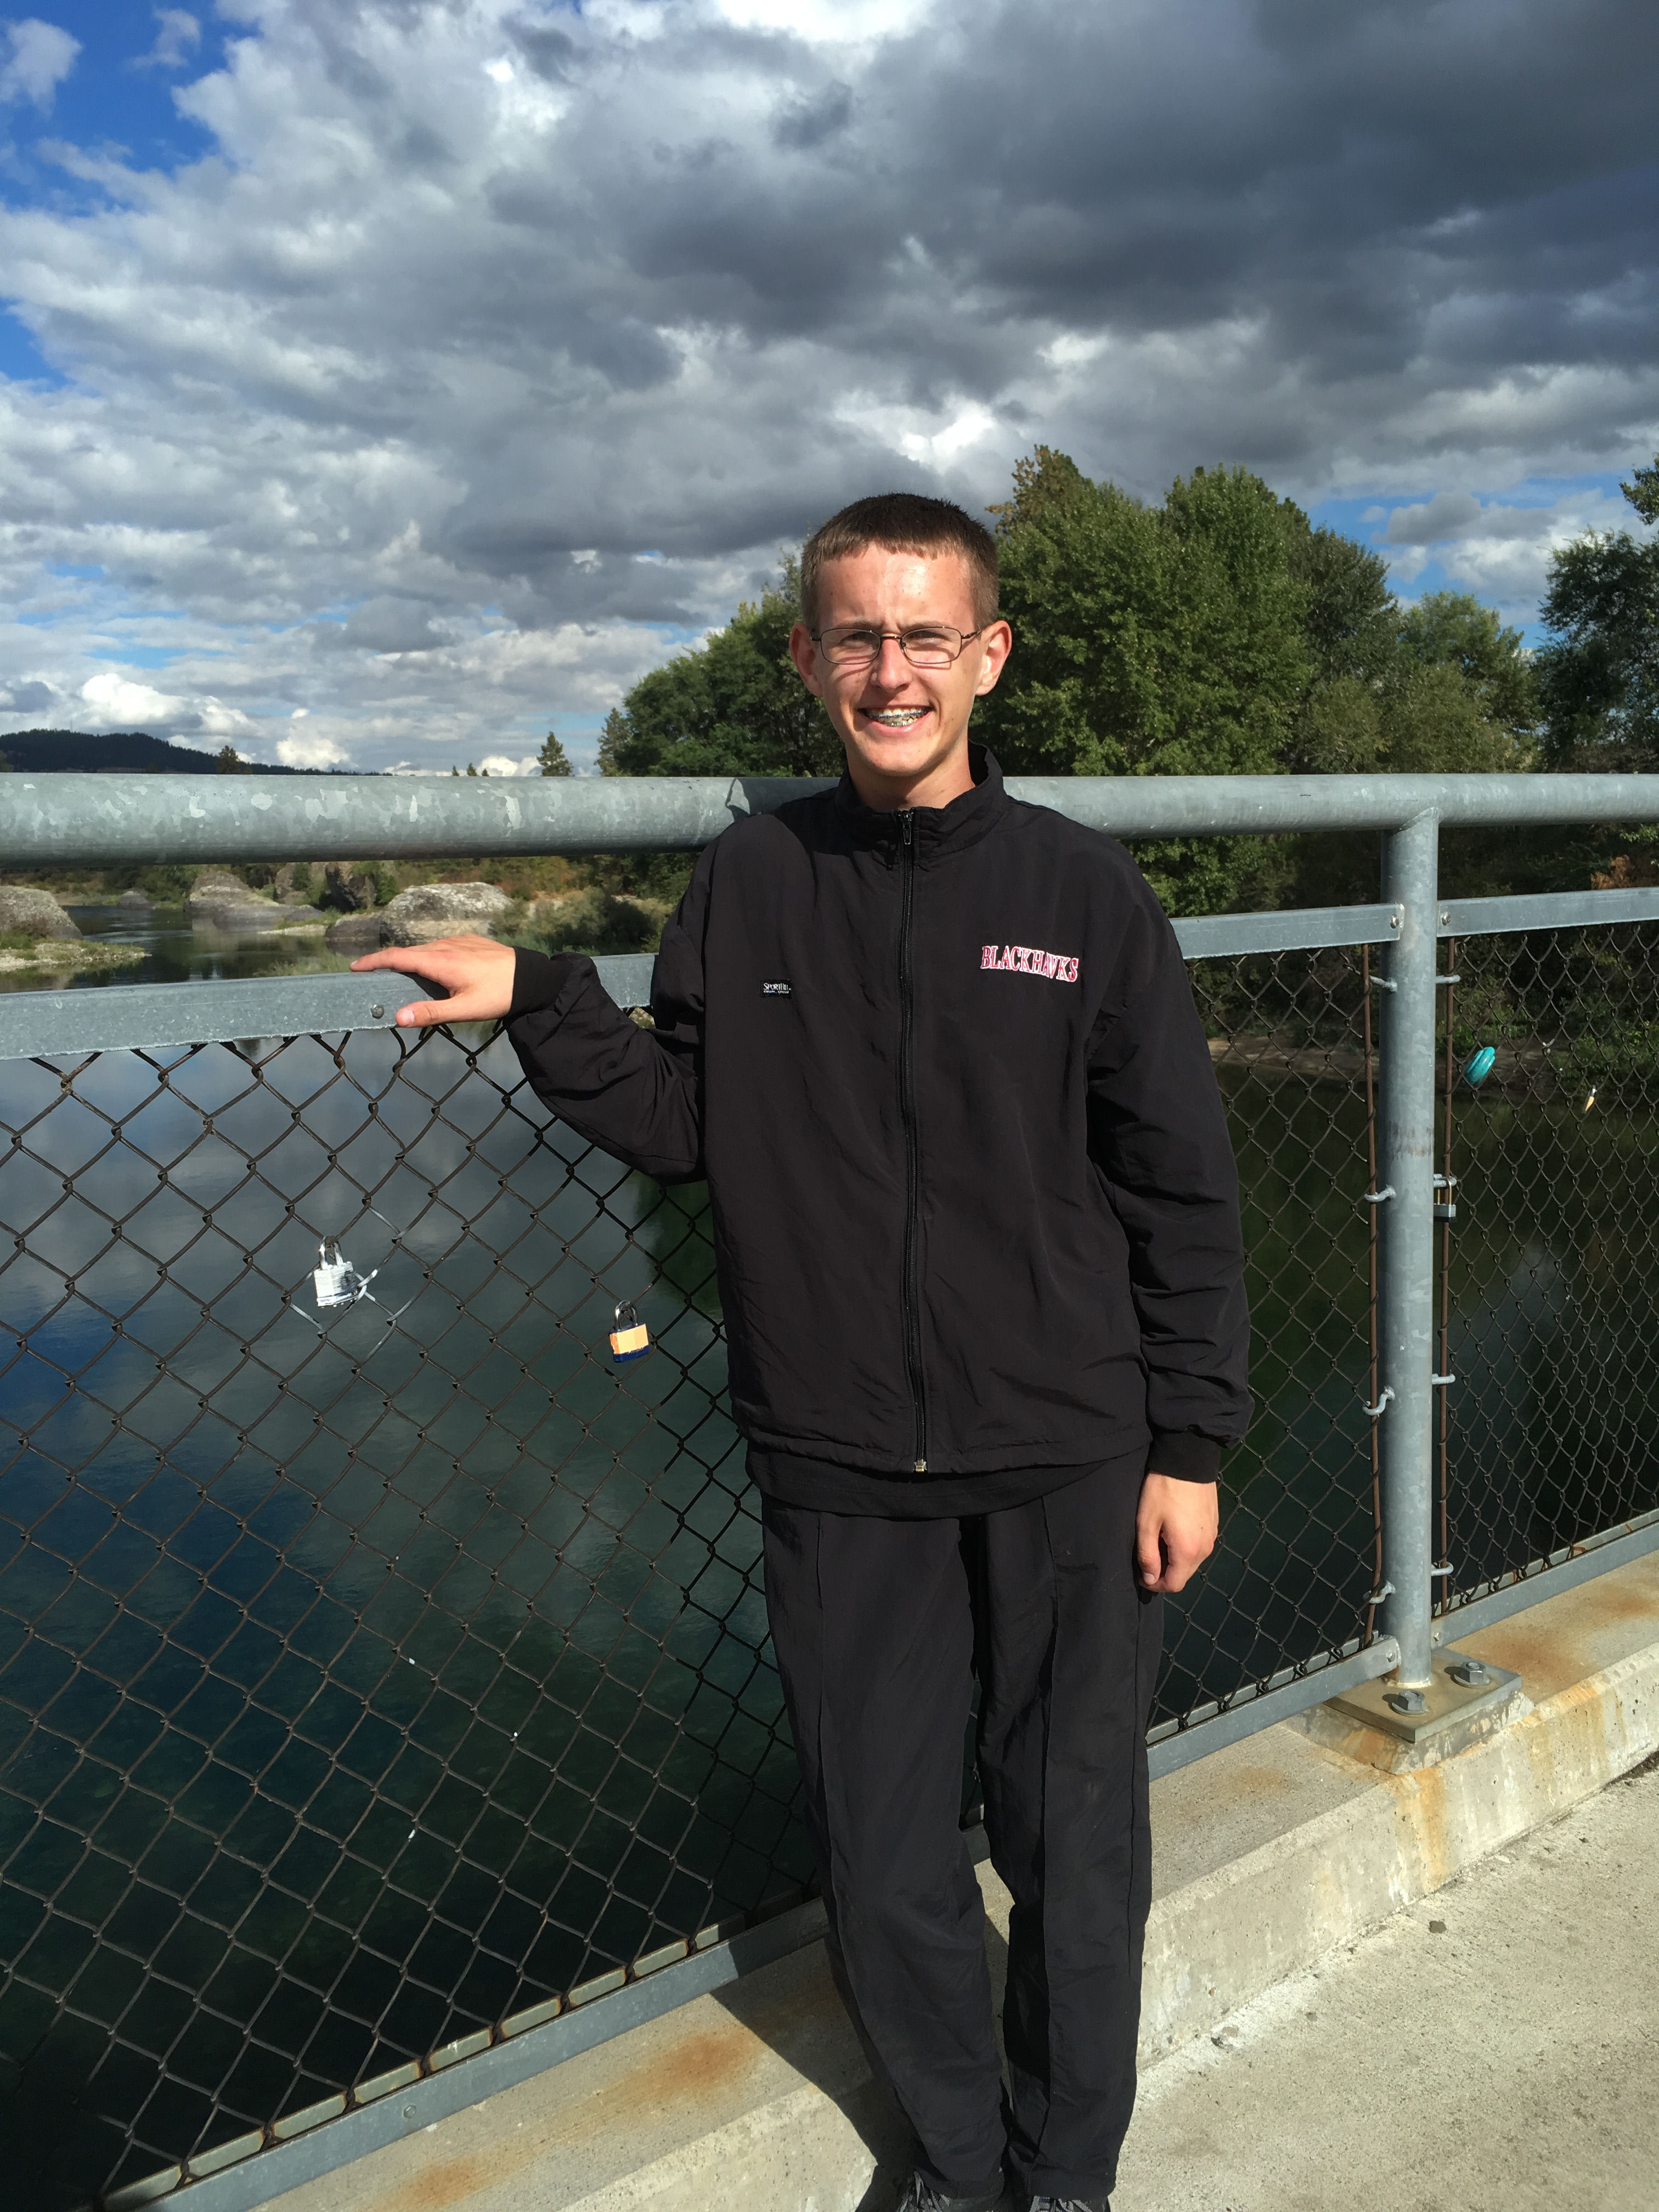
{"x":912,"y":1162}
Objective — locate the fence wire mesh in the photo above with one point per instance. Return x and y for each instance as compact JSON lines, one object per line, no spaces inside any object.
{"x":1296,"y":1564}
{"x":375,"y":1681}
{"x":1551,"y":1305}
{"x":363,"y":1686}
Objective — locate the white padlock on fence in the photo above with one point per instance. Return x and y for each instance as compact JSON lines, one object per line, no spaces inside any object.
{"x":336,"y":1281}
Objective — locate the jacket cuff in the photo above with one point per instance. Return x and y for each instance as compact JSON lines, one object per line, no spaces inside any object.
{"x":537,"y":979}
{"x":1185,"y":1454}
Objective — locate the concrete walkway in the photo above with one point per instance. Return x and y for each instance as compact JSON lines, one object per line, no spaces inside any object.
{"x":1494,"y":2046}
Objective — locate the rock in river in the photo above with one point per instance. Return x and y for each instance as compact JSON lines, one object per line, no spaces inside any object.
{"x":224,"y":902}
{"x":355,"y":933}
{"x":36,"y":912}
{"x":427,"y":911}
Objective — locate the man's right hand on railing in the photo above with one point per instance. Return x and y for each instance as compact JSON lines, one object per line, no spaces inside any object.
{"x":475,"y":973}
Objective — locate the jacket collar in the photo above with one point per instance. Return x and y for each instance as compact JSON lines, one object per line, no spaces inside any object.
{"x":940,"y":831}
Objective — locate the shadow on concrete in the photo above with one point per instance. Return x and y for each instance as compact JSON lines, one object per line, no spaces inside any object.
{"x":795,"y":2010}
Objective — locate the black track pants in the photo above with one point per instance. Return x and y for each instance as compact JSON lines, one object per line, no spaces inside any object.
{"x":879,"y":1627}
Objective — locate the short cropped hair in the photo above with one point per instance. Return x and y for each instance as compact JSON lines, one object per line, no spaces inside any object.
{"x":902,"y":522}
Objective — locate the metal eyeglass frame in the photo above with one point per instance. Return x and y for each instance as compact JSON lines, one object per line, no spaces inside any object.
{"x":898,"y":636}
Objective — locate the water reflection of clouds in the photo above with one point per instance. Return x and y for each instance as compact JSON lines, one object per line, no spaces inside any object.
{"x":444,"y":1579}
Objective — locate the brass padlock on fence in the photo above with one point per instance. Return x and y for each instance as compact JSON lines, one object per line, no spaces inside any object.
{"x":630,"y":1339}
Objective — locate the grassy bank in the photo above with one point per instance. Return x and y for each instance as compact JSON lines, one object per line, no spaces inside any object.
{"x":67,"y":954}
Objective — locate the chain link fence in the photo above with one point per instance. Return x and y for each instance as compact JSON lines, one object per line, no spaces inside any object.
{"x":375,"y":1681}
{"x":1296,"y":1562}
{"x":1549,"y":1288}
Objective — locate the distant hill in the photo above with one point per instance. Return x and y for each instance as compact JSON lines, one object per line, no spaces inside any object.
{"x":133,"y":752}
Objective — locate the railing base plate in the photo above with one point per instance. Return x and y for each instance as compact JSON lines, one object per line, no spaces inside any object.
{"x":1366,"y":1722}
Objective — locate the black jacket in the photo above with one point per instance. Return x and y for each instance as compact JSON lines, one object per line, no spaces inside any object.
{"x":975,"y":1211}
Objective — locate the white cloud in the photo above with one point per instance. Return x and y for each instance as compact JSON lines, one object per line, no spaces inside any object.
{"x":829,"y":20}
{"x":1460,"y":514}
{"x":34,"y":59}
{"x":374,"y":413}
{"x":177,"y":37}
{"x":941,"y":447}
{"x":500,"y":764}
{"x":309,"y":750}
{"x":116,"y":700}
{"x":25,"y":697}
{"x":1448,"y":514}
{"x":1499,"y":552}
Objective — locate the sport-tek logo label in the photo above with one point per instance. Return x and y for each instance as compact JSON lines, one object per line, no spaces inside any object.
{"x":1026,"y":960}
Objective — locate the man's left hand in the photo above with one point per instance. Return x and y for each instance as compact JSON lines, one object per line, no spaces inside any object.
{"x":1176,"y":1529}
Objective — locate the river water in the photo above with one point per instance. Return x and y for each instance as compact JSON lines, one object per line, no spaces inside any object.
{"x":177,"y":951}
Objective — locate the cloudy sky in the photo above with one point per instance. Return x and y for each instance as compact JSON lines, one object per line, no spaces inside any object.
{"x":382,"y":382}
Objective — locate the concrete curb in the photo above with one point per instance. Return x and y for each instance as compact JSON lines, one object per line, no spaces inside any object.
{"x":1270,"y":1854}
{"x":1223,"y":1939}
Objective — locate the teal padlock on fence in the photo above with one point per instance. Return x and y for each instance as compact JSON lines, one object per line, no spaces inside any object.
{"x":1479,"y":1065}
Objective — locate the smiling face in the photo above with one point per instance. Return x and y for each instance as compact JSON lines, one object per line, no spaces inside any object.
{"x":905,"y":729}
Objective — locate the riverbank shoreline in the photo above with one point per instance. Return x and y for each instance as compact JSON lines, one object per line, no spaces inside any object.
{"x":69,"y":956}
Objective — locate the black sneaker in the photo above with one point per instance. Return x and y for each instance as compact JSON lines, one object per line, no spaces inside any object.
{"x":1068,"y":2204}
{"x":924,"y":2195}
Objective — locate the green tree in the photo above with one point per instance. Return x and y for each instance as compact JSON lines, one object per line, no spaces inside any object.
{"x":1643,"y":491}
{"x":616,"y":735}
{"x":1451,"y":692}
{"x":1439,"y":687}
{"x":1452,"y":629}
{"x":553,"y":759}
{"x":732,"y":705}
{"x":1148,"y":641}
{"x":1152,"y":640}
{"x":1350,"y":615}
{"x":228,"y":762}
{"x":1598,"y":672}
{"x":1351,"y":620}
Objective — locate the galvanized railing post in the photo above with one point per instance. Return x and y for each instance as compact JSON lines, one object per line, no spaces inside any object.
{"x":1406,"y":1286}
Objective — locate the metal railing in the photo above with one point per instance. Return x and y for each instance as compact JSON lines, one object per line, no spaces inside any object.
{"x":386,"y":1709}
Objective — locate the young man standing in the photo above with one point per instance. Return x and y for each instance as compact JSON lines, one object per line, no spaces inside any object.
{"x":976,"y":1225}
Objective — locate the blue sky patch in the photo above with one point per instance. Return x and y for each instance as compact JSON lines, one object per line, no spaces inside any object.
{"x":117,"y":95}
{"x":22,"y":361}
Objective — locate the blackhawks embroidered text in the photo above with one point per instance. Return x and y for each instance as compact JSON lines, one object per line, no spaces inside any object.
{"x":1026,"y":960}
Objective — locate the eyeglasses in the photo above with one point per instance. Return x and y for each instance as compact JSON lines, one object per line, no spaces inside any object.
{"x":930,"y":645}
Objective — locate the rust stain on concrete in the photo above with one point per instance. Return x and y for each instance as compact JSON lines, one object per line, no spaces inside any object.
{"x":440,"y":2185}
{"x":1553,"y":1653}
{"x":1548,"y":1658}
{"x":1420,"y":1797}
{"x":696,"y":2068}
{"x":1617,"y":1600}
{"x":1257,"y":1782}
